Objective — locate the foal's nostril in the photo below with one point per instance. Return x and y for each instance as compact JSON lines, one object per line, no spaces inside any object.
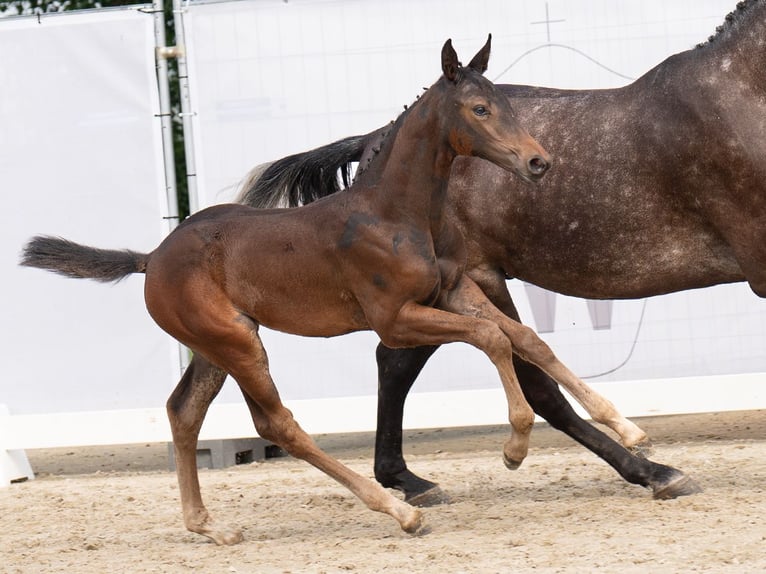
{"x":538,"y":165}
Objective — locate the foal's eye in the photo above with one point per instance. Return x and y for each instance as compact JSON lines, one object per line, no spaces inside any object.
{"x":480,"y":111}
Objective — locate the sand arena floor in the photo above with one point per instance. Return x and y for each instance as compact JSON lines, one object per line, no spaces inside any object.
{"x":116,"y":509}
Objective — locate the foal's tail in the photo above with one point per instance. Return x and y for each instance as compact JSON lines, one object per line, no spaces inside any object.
{"x":81,"y":262}
{"x":301,"y":178}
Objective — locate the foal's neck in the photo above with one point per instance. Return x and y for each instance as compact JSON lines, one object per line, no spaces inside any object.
{"x":410,"y":172}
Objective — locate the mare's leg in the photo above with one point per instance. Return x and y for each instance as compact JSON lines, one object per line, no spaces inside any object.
{"x":186,"y":409}
{"x":244,"y":357}
{"x":397,"y":371}
{"x":546,"y":399}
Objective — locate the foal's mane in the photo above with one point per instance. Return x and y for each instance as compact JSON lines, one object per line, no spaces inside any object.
{"x":732,"y":19}
{"x":302,"y":178}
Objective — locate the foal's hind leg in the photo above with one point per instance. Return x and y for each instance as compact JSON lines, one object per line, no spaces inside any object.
{"x":245,"y":358}
{"x":186,"y":409}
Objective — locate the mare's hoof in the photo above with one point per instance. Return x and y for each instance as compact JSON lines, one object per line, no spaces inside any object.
{"x":511,"y":464}
{"x":680,"y":486}
{"x":432,"y":497}
{"x":644,"y":449}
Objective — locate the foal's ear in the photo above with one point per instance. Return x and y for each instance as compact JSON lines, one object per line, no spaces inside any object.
{"x":481,"y":59}
{"x":450,"y":63}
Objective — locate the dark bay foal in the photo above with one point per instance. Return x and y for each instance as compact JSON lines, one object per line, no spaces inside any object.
{"x":381,"y":257}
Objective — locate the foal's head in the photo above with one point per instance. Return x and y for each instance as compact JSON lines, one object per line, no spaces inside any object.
{"x":484,"y":124}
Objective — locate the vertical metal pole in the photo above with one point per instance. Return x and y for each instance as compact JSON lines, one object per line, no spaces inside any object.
{"x":166,"y":117}
{"x":187,"y":114}
{"x":162,"y":52}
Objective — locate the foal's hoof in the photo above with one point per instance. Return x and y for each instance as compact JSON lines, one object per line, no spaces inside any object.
{"x":414,"y":524}
{"x":680,"y":486}
{"x":229,"y":538}
{"x":644,"y":449}
{"x":221,"y":536}
{"x":432,"y":497}
{"x":511,"y":464}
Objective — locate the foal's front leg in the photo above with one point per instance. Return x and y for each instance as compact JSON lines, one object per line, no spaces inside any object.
{"x":469,"y":298}
{"x":599,"y":408}
{"x":418,"y":325}
{"x":530,"y":347}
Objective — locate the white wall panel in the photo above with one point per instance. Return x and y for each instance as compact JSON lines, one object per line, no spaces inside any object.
{"x":80,"y":157}
{"x":270,"y":78}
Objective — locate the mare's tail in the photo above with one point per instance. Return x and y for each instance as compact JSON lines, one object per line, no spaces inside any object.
{"x":81,"y":262}
{"x":305,"y":177}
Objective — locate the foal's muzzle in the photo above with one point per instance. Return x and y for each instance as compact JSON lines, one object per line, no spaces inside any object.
{"x":537,"y":166}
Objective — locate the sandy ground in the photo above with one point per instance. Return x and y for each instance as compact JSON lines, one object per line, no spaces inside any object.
{"x":116,"y":509}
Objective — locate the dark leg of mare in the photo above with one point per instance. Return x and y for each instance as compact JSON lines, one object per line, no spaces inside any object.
{"x":398,"y":369}
{"x":546,"y":399}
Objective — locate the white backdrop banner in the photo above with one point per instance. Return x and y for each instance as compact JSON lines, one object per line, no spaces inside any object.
{"x":270,"y":78}
{"x":80,"y":157}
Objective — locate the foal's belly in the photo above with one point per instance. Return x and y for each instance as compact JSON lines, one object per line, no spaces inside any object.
{"x":301,"y":310}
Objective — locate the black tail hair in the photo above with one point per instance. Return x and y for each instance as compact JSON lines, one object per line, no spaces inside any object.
{"x":80,"y":261}
{"x":301,"y":178}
